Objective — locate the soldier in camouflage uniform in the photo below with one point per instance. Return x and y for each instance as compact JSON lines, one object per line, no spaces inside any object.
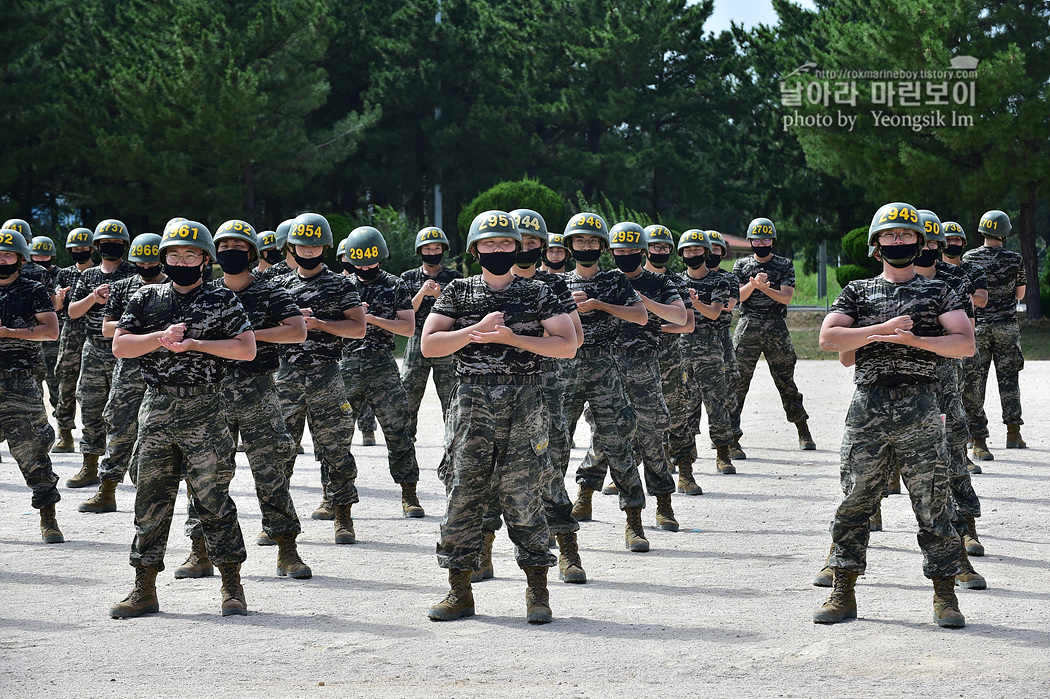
{"x":71,"y":338}
{"x":27,"y":318}
{"x":767,"y":283}
{"x":125,"y":394}
{"x":426,"y":283}
{"x":636,"y":355}
{"x":368,"y":366}
{"x":34,"y":272}
{"x":604,"y":300}
{"x":998,"y":336}
{"x":556,"y":256}
{"x":269,"y":253}
{"x":709,"y":294}
{"x":308,"y":381}
{"x":719,"y":251}
{"x":88,"y":299}
{"x":184,"y":334}
{"x":898,"y":324}
{"x":499,"y":327}
{"x":42,"y":250}
{"x":286,"y":263}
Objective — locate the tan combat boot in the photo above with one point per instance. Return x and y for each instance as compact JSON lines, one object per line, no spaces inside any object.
{"x":875,"y":521}
{"x":736,"y":452}
{"x":459,"y":602}
{"x":968,"y":578}
{"x":946,"y":612}
{"x":895,"y":481}
{"x":665,"y":514}
{"x":486,"y":572}
{"x":1013,"y":438}
{"x":410,"y":506}
{"x":263,"y":539}
{"x":973,"y":545}
{"x":826,"y":576}
{"x":49,"y":530}
{"x":842,"y":603}
{"x":723,"y":461}
{"x":368,"y":439}
{"x":805,"y":439}
{"x":143,"y":598}
{"x":324,"y":510}
{"x":634,"y":533}
{"x":197,"y":565}
{"x":105,"y":500}
{"x":581,"y":509}
{"x":686,"y":483}
{"x":87,"y":475}
{"x":972,"y":468}
{"x":288,"y":561}
{"x":980,"y":450}
{"x":570,"y":567}
{"x":64,"y":445}
{"x":233,"y":603}
{"x":610,"y":489}
{"x":344,"y":525}
{"x":537,"y":598}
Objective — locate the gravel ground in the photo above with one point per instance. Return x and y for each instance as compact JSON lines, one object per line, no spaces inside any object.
{"x":721,"y":608}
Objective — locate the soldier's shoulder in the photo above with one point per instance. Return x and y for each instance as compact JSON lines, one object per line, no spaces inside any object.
{"x":449,"y":274}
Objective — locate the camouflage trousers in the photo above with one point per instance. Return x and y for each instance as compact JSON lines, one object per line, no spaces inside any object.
{"x":495,"y":437}
{"x":642,"y":386}
{"x":949,"y":378}
{"x":183,"y":434}
{"x":415,"y":368}
{"x":702,"y":352}
{"x":254,"y":411}
{"x":23,"y":422}
{"x":317,"y":395}
{"x":67,"y":372}
{"x":594,"y":379}
{"x":122,"y":420}
{"x":96,"y":379}
{"x":1000,"y":342}
{"x":674,"y":380}
{"x":732,"y":372}
{"x":902,"y":426}
{"x":766,"y":335}
{"x":366,"y":420}
{"x":374,"y":381}
{"x":50,"y":362}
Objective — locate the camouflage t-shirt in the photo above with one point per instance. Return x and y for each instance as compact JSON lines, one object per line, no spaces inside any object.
{"x":67,"y":278}
{"x":273,"y":271}
{"x":873,"y":301}
{"x":726,"y":319}
{"x":20,"y":302}
{"x":557,"y":284}
{"x":956,"y":278}
{"x":266,"y":304}
{"x":91,"y":279}
{"x":525,"y":304}
{"x":35,"y":272}
{"x":645,"y":339}
{"x":210,"y":312}
{"x":711,"y":288}
{"x":328,"y":294}
{"x":1004,"y":272}
{"x":119,"y":295}
{"x":780,"y":272}
{"x":610,"y":286}
{"x":385,"y":296}
{"x":415,"y":278}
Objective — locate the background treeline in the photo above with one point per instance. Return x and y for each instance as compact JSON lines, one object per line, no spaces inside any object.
{"x":148,"y":109}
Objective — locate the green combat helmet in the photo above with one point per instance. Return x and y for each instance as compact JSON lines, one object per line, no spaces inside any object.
{"x":145,"y":248}
{"x":20,"y":225}
{"x":365,"y":246}
{"x":111,"y":229}
{"x":188,"y":233}
{"x":691,"y":237}
{"x":42,"y":245}
{"x":557,"y":240}
{"x":994,"y":224}
{"x":492,"y":224}
{"x":586,"y":223}
{"x":530,"y":223}
{"x":626,"y":236}
{"x":761,"y":229}
{"x":340,"y":249}
{"x":309,"y":229}
{"x":79,"y":238}
{"x":282,"y":233}
{"x":239,"y":230}
{"x":267,"y":241}
{"x":11,"y":240}
{"x":932,"y":228}
{"x":951,"y":228}
{"x":715,"y":238}
{"x":895,"y":215}
{"x":659,"y":234}
{"x":431,"y":234}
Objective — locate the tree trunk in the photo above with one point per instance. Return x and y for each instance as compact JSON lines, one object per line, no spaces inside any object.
{"x":1032,"y":301}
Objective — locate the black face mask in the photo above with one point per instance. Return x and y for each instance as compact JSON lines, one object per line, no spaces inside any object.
{"x":433,"y":260}
{"x":927,"y":258}
{"x":498,"y":263}
{"x":148,"y":273}
{"x":713,"y":261}
{"x":628,"y":263}
{"x":308,"y":263}
{"x":347,"y":267}
{"x":587,"y":258}
{"x":367,"y":275}
{"x":762,"y":250}
{"x":111,"y":250}
{"x":81,"y":257}
{"x":233,"y":261}
{"x":183,"y":276}
{"x":273,"y":256}
{"x":899,"y":256}
{"x":694,"y":262}
{"x":953,"y":250}
{"x":7,"y":270}
{"x":659,"y":259}
{"x":527,"y":258}
{"x":556,"y":265}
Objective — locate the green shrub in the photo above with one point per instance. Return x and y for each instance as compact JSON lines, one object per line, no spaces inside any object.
{"x":847,"y":273}
{"x":855,"y":247}
{"x":507,"y":196}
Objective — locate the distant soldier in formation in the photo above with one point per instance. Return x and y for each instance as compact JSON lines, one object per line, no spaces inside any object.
{"x":42,"y":251}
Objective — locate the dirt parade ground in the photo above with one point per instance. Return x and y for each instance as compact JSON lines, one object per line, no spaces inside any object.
{"x":721,"y":608}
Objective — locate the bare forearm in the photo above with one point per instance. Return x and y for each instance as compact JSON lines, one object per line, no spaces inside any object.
{"x":635,"y":313}
{"x":671,"y":312}
{"x":352,"y":329}
{"x":128,"y":345}
{"x":282,"y":334}
{"x":954,"y":345}
{"x":400,"y":326}
{"x":557,"y":346}
{"x":980,"y":298}
{"x":109,"y":326}
{"x":709,"y":311}
{"x":783,"y":296}
{"x":80,"y":308}
{"x":442,"y":343}
{"x":745,"y":291}
{"x":843,"y":339}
